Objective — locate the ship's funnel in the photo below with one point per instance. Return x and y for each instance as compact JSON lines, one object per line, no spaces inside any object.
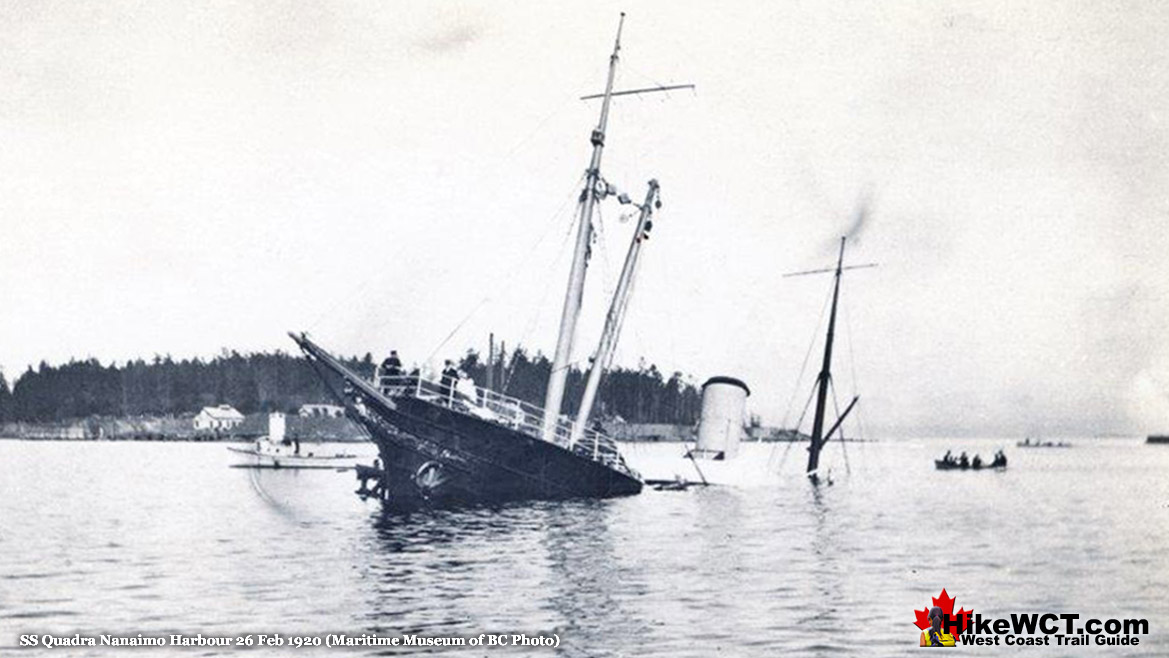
{"x":721,"y":428}
{"x":276,"y":427}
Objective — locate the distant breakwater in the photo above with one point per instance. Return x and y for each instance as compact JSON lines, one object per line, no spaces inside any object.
{"x":178,"y":428}
{"x":669,"y":433}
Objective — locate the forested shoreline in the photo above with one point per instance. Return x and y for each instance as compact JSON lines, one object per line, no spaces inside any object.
{"x":278,"y":381}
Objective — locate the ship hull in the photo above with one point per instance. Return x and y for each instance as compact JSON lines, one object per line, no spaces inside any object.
{"x":432,"y":456}
{"x":444,"y":451}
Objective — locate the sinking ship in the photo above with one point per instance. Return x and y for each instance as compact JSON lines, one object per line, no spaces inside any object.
{"x":718,"y":458}
{"x":442,"y":446}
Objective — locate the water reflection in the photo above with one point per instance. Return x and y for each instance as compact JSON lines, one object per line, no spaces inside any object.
{"x":757,"y":571}
{"x":824,"y":623}
{"x":435,"y":571}
{"x":588,"y":582}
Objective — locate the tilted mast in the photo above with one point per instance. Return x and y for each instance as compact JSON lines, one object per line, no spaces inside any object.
{"x":572,"y":299}
{"x":825,"y":376}
{"x":613,"y":320}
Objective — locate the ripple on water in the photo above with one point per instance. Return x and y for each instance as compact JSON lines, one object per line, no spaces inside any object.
{"x":758,"y":571}
{"x":43,"y":614}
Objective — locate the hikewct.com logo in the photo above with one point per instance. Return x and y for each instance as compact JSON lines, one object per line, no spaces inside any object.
{"x":942,"y":627}
{"x":936,"y":632}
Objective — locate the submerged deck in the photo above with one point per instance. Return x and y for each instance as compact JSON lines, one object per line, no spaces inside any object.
{"x":506,"y":411}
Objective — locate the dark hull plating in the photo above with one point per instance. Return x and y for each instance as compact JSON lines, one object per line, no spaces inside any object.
{"x":435,"y":456}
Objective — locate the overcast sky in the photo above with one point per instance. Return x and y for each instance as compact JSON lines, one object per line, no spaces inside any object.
{"x":183,"y":177}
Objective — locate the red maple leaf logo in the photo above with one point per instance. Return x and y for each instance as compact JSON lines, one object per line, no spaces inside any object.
{"x":946,"y":603}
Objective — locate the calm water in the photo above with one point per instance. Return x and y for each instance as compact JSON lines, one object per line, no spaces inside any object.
{"x":156,"y":538}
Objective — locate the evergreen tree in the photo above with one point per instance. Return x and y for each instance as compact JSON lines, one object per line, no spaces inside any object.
{"x":281,"y":382}
{"x":5,"y":400}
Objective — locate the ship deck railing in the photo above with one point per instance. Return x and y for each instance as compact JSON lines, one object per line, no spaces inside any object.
{"x":510,"y":412}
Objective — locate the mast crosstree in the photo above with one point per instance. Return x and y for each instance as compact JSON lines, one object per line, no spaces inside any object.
{"x":595,"y":189}
{"x":576,"y":278}
{"x":824,"y":379}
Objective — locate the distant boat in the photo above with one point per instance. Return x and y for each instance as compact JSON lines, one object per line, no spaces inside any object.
{"x":1028,"y":443}
{"x":943,"y":465}
{"x":962,"y":463}
{"x":277,"y":451}
{"x":1158,"y":438}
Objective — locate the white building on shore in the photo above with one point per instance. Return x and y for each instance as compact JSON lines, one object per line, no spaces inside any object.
{"x":223,"y":417}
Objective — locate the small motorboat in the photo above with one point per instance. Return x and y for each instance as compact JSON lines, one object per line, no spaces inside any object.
{"x":289,"y":454}
{"x":278,"y":451}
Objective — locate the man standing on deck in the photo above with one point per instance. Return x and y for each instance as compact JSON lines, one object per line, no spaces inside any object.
{"x":392,"y":366}
{"x":390,"y":374}
{"x":450,"y":378}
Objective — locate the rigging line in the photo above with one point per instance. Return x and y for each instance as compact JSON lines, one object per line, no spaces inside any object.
{"x":454,"y":331}
{"x":852,"y":364}
{"x":570,"y":365}
{"x":804,"y":365}
{"x":507,"y":374}
{"x":329,"y":310}
{"x":686,"y":54}
{"x":547,"y":277}
{"x":840,"y":430}
{"x":851,"y":351}
{"x":630,"y":292}
{"x":530,"y":327}
{"x":364,"y":286}
{"x":783,"y":457}
{"x":339,"y":397}
{"x":860,"y":434}
{"x":536,"y":312}
{"x":524,"y":141}
{"x":607,"y":281}
{"x":509,"y":277}
{"x":807,"y":404}
{"x":633,"y":70}
{"x":568,"y":198}
{"x":599,"y":240}
{"x":634,"y":341}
